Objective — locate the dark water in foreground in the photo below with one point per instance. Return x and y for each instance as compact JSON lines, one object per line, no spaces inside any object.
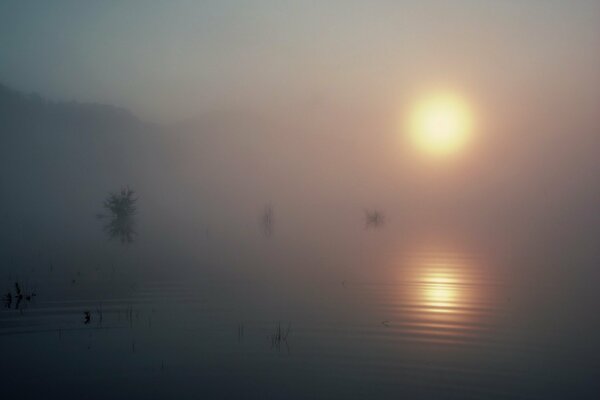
{"x":430,"y":325}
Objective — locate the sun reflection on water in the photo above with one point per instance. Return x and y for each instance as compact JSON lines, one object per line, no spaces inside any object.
{"x":441,"y":288}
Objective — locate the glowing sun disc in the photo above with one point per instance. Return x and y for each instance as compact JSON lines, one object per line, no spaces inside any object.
{"x":440,"y":124}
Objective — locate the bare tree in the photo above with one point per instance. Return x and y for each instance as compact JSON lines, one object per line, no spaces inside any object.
{"x":122,"y":210}
{"x":266,"y":221}
{"x":373,"y":219}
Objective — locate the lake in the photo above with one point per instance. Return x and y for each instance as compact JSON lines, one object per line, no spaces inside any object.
{"x":380,"y":316}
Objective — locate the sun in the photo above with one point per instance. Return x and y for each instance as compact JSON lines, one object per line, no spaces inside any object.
{"x":441,"y":124}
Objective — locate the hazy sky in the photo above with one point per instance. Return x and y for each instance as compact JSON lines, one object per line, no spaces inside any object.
{"x":174,"y":59}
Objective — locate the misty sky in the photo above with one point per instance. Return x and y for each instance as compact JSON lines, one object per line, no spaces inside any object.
{"x":178,"y":59}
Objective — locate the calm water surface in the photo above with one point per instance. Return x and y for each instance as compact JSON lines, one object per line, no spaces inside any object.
{"x":427,"y":324}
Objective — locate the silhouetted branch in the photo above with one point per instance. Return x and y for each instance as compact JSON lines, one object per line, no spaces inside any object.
{"x":122,"y":209}
{"x":373,"y":218}
{"x":266,"y":221}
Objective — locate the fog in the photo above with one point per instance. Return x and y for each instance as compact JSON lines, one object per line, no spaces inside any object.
{"x":527,"y":179}
{"x":276,"y":185}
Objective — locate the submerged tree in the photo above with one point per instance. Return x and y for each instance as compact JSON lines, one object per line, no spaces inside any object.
{"x":121,"y":205}
{"x":373,"y":219}
{"x":122,"y":209}
{"x":266,"y":221}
